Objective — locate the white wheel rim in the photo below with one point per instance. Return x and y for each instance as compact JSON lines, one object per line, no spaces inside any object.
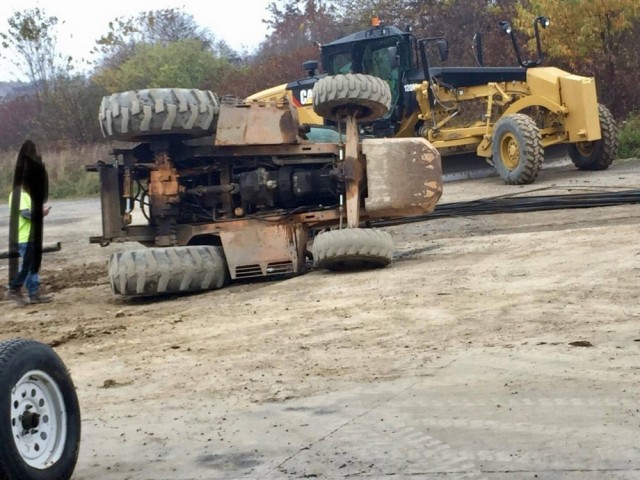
{"x":38,"y":419}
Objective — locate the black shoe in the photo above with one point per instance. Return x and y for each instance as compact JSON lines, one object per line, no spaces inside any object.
{"x":16,"y":296}
{"x":37,"y":298}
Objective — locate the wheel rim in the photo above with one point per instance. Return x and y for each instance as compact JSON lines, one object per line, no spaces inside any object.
{"x":38,"y":419}
{"x":510,"y":151}
{"x":585,"y":148}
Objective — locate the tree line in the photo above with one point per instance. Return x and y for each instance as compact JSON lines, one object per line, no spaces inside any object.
{"x":169,"y":48}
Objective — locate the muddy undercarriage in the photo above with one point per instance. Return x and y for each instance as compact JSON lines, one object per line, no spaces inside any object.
{"x":250,"y":190}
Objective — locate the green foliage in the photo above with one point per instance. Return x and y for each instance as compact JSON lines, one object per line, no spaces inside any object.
{"x":156,"y":27}
{"x":179,"y":64}
{"x":630,"y":137}
{"x":77,"y":183}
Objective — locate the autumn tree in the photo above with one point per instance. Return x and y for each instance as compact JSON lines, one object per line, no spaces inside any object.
{"x":356,"y":15}
{"x":295,"y":28}
{"x":457,"y":20}
{"x":295,"y":24}
{"x":32,"y":35}
{"x":54,"y":108}
{"x":601,"y":41}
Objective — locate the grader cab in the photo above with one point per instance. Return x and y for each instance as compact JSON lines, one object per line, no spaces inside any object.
{"x":508,"y":115}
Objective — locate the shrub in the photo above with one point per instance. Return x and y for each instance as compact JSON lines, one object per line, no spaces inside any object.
{"x":630,"y":137}
{"x":67,"y":175}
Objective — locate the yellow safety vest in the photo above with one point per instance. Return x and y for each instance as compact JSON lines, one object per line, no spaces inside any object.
{"x":24,"y":224}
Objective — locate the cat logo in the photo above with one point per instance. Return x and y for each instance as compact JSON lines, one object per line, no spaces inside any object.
{"x":306,"y":96}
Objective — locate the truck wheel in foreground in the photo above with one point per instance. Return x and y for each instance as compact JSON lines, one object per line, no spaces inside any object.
{"x":517,"y":149}
{"x":153,"y":271}
{"x":599,"y":154}
{"x":39,"y":413}
{"x":140,"y":114}
{"x":371,"y":95}
{"x":352,"y":249}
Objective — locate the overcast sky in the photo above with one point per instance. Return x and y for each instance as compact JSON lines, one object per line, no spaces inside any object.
{"x":238,"y":22}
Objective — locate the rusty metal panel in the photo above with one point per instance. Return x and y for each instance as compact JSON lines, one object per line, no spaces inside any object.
{"x":256,"y":124}
{"x":404,"y":177}
{"x":261,"y":249}
{"x":322,"y":218}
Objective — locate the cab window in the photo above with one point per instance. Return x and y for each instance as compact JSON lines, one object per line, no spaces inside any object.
{"x":341,"y":63}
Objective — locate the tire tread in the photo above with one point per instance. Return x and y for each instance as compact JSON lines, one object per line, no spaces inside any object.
{"x":334,"y":92}
{"x":153,"y":271}
{"x":605,"y":150}
{"x":11,"y":352}
{"x":134,"y":115}
{"x":366,"y":245}
{"x":530,"y":166}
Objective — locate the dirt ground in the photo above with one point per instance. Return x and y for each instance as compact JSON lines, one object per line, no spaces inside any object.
{"x":159,"y":379}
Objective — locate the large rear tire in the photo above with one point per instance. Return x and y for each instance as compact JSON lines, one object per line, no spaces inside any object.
{"x":517,"y":149}
{"x":599,"y":154}
{"x":140,"y":114}
{"x":352,"y":249}
{"x":369,"y":97}
{"x":161,"y":271}
{"x":39,"y":413}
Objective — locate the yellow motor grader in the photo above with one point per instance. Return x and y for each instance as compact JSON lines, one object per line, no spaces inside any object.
{"x":508,"y":115}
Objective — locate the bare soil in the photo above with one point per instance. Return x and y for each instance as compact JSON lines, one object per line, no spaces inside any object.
{"x":519,"y":282}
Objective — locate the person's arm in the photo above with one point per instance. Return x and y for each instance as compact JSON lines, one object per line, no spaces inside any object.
{"x":26,"y":213}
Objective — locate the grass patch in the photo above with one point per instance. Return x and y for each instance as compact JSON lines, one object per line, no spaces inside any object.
{"x":66,"y":169}
{"x":630,"y":137}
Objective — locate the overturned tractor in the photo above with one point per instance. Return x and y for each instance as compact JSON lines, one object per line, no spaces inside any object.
{"x":218,"y":191}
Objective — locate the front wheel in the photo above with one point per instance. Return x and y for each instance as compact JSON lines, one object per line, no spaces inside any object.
{"x":599,"y":154}
{"x":352,"y":249}
{"x":39,"y":413}
{"x":517,"y":149}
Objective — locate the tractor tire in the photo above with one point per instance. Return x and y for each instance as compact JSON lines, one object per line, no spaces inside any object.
{"x":140,"y":114}
{"x":39,"y":413}
{"x":352,"y":249}
{"x":162,"y":271}
{"x":370,"y":95}
{"x":517,"y":149}
{"x":599,"y":154}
